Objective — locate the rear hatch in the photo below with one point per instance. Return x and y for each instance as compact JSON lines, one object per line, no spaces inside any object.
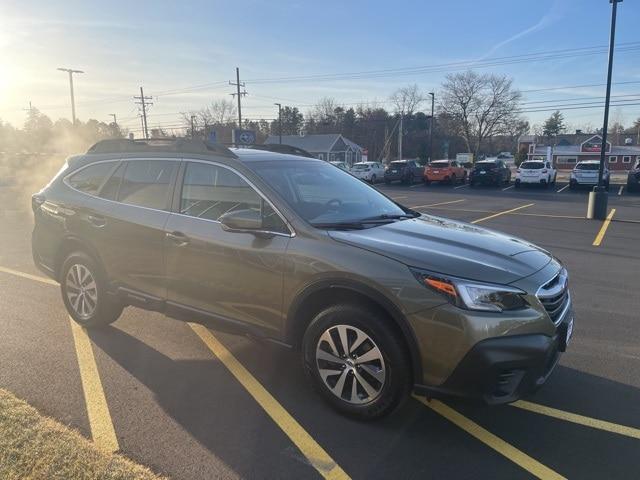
{"x":531,"y":169}
{"x":587,"y":172}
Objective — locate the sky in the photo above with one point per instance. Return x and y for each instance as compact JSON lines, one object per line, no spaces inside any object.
{"x":184,"y":54}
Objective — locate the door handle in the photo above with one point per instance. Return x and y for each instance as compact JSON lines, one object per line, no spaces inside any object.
{"x":97,"y":220}
{"x":179,"y":238}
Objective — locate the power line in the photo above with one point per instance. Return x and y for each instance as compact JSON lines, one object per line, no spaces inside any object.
{"x":540,"y":56}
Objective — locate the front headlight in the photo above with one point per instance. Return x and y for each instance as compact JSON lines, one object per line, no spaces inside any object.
{"x":474,"y":295}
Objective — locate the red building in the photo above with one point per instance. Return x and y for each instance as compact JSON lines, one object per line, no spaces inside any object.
{"x":565,"y":155}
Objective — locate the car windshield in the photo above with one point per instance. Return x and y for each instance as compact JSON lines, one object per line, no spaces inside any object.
{"x":588,"y":166}
{"x":532,"y":165}
{"x":323,"y":195}
{"x":439,"y":164}
{"x":361,"y":166}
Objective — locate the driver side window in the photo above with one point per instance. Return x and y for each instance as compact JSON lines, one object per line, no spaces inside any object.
{"x":210,"y":191}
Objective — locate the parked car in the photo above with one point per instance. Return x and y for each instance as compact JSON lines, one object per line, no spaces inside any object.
{"x":586,"y":173}
{"x":633,"y":178}
{"x":493,"y":172}
{"x":369,"y":171}
{"x":405,"y":171}
{"x":449,"y":171}
{"x":378,"y":299}
{"x":536,"y":172}
{"x":341,"y":165}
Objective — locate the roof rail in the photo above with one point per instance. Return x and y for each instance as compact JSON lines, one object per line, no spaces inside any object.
{"x":178,"y":145}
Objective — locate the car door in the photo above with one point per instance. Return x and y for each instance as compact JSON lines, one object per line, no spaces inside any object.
{"x":129,"y":224}
{"x":232,"y":276}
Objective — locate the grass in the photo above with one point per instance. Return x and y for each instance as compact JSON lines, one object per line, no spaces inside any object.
{"x":36,"y":447}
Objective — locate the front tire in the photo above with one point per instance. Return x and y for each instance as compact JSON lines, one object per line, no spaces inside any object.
{"x":374,"y":179}
{"x":84,"y":292}
{"x":357,"y":361}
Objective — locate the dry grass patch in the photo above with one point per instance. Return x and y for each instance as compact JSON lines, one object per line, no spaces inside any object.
{"x":36,"y":447}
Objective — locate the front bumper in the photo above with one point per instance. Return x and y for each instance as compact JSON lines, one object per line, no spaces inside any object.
{"x":503,"y":369}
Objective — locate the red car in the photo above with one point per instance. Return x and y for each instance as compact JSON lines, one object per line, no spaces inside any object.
{"x":449,"y":171}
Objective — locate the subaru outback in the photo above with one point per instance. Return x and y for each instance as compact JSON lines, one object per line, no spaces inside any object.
{"x":380,"y":300}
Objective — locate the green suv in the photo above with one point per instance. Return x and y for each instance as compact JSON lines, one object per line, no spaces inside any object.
{"x":380,"y":300}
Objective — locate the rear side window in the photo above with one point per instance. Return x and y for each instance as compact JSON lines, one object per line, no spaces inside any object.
{"x":147,"y":183}
{"x":210,"y":191}
{"x":90,"y":179}
{"x":112,"y":185}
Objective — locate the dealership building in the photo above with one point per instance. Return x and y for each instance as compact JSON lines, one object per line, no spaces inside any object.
{"x":566,"y":154}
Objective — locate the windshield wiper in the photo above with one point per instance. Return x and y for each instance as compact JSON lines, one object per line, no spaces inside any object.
{"x":341,"y":225}
{"x":386,"y":216}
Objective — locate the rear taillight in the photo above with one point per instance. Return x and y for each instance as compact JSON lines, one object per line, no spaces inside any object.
{"x":37,"y":199}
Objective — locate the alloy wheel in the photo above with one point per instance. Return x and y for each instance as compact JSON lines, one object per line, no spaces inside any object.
{"x":350,"y":364}
{"x":81,"y":290}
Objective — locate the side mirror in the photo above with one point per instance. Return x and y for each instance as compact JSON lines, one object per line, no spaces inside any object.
{"x":241,"y":220}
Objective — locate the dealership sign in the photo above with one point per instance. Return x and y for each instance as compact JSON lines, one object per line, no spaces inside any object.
{"x":594,"y":145}
{"x":243,"y":137}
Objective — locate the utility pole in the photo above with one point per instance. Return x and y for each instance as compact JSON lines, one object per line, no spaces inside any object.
{"x":279,"y":121}
{"x":598,"y":199}
{"x":400,"y":131}
{"x":71,"y":71}
{"x":115,"y":121}
{"x":30,"y":109}
{"x":193,"y":129}
{"x":239,"y":94}
{"x":433,"y":98}
{"x":144,"y":102}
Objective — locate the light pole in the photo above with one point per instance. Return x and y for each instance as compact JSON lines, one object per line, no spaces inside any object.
{"x":598,"y":199}
{"x":71,"y":71}
{"x":279,"y":121}
{"x":193,"y":131}
{"x":433,"y":97}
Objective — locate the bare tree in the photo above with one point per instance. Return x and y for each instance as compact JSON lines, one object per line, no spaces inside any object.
{"x":407,"y":99}
{"x":481,"y":106}
{"x":221,"y":112}
{"x":324,"y":110}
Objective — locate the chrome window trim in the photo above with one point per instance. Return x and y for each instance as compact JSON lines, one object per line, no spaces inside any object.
{"x":177,"y":160}
{"x":66,"y":178}
{"x":292,"y":232}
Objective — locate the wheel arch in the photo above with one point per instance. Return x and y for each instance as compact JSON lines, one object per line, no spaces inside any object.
{"x":327,"y":292}
{"x":72,"y":244}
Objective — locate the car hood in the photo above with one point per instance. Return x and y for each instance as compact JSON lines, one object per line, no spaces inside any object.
{"x":453,"y":248}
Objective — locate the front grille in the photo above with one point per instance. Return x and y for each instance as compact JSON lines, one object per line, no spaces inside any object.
{"x":554,"y":295}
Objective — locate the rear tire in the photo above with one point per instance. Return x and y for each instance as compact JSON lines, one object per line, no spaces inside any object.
{"x":382,"y":380}
{"x":374,"y":179}
{"x":84,"y":292}
{"x":453,"y":179}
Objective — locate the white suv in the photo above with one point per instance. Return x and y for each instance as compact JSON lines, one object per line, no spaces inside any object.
{"x":369,"y":171}
{"x":536,"y":172}
{"x":586,"y":173}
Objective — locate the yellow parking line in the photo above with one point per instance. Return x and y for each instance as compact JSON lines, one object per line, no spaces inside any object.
{"x":316,"y":455}
{"x":28,"y":275}
{"x":102,"y":430}
{"x":100,"y":422}
{"x":502,"y":213}
{"x":436,"y":204}
{"x":603,"y":229}
{"x":579,"y":419}
{"x":507,"y":450}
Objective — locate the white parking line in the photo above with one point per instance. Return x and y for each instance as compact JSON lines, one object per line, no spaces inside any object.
{"x":563,"y":188}
{"x":620,"y":191}
{"x":461,"y":186}
{"x":510,"y":186}
{"x":399,"y":197}
{"x":417,"y":185}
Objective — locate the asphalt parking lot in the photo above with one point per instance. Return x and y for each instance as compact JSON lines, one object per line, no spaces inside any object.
{"x":194,"y":404}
